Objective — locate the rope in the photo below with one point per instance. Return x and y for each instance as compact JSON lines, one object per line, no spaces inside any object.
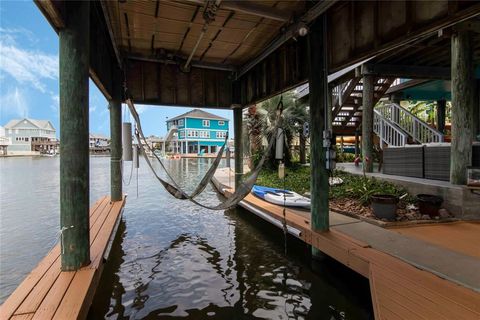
{"x":244,"y":188}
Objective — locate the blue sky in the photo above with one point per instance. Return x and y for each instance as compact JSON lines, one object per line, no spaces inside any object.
{"x":29,"y":75}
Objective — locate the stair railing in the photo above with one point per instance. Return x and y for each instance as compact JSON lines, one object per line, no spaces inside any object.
{"x":419,"y":130}
{"x":388,"y":131}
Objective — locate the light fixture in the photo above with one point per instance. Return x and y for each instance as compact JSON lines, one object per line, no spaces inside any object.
{"x":302,"y":29}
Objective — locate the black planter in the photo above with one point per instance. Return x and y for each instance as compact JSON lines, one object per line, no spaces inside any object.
{"x":384,"y":206}
{"x":429,"y":204}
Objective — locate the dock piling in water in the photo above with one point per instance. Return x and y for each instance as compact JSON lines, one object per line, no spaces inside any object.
{"x":74,"y":136}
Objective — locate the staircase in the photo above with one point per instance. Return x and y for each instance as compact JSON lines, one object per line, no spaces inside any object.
{"x":394,"y":125}
{"x":347,"y":102}
{"x":418,"y":130}
{"x":170,"y":133}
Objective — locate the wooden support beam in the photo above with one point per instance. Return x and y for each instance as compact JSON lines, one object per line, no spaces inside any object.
{"x":318,"y":109}
{"x":367,"y":123}
{"x":237,"y":127}
{"x":115,"y":106}
{"x":406,"y":71}
{"x":74,"y":136}
{"x":463,"y":101}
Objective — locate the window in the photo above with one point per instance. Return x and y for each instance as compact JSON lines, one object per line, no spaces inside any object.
{"x":180,"y":122}
{"x":221,"y":134}
{"x":26,"y":139}
{"x":221,"y":123}
{"x":206,"y":123}
{"x":182,"y":134}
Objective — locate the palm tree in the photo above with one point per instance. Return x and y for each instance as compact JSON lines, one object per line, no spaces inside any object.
{"x":293,"y":117}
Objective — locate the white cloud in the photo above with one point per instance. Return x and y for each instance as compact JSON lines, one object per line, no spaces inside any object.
{"x":26,"y":66}
{"x":14,"y":103}
{"x":55,"y":102}
{"x":92,"y":108}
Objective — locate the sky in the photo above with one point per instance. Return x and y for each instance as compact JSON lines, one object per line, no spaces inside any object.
{"x":29,"y":76}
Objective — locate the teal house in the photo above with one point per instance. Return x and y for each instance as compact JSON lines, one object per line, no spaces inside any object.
{"x":196,"y":131}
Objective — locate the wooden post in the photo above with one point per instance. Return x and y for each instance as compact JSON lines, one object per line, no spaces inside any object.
{"x":319,"y":187}
{"x":237,"y":127}
{"x":74,"y":159}
{"x":463,"y":101}
{"x":115,"y":106}
{"x":441,"y":108}
{"x":367,"y":123}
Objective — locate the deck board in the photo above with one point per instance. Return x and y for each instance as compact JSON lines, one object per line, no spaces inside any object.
{"x":48,"y":293}
{"x":399,"y":290}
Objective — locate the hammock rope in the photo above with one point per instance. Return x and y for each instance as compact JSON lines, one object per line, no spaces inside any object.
{"x":175,"y":190}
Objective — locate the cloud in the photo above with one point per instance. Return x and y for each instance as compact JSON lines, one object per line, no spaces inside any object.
{"x":24,"y":65}
{"x":92,"y":108}
{"x":55,"y":102}
{"x":14,"y":102}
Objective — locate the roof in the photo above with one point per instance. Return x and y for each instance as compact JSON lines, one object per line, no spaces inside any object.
{"x":42,"y":124}
{"x":200,"y":114}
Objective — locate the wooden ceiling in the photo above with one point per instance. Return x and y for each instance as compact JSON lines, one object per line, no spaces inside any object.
{"x":170,"y":29}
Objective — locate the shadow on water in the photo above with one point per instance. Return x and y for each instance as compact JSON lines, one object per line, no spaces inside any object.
{"x":264,"y":279}
{"x":174,"y":260}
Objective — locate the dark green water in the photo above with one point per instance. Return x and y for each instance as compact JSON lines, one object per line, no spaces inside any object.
{"x":172,"y":259}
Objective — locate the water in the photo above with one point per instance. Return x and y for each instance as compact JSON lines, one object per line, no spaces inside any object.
{"x":172,"y":259}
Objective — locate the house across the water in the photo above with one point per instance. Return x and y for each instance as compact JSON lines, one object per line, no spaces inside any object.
{"x":197,"y":132}
{"x":30,"y":136}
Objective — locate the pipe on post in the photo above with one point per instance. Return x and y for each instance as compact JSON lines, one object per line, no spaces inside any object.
{"x":127,"y":141}
{"x":74,"y":47}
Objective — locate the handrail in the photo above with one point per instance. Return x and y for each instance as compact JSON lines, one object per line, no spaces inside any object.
{"x":388,"y":131}
{"x":416,"y":128}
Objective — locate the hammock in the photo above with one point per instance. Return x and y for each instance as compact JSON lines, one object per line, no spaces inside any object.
{"x":175,"y":190}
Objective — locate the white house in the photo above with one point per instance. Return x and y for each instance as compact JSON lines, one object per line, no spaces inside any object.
{"x":30,"y":136}
{"x":98,"y":141}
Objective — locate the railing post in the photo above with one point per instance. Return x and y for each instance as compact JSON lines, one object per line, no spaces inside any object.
{"x":74,"y":160}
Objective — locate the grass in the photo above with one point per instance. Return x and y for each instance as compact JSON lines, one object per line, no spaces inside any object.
{"x":353,"y":187}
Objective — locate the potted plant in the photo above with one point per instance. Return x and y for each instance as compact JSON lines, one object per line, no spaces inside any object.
{"x":384,"y":206}
{"x":429,"y":204}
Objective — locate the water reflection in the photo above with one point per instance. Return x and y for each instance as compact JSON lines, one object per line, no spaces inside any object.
{"x":172,"y":259}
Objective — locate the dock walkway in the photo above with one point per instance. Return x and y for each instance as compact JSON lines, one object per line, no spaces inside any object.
{"x":49,"y":293}
{"x":409,"y":278}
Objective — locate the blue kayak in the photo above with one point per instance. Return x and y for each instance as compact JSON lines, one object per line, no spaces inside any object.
{"x":261,"y":191}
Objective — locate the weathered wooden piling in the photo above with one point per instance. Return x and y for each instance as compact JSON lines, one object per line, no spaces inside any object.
{"x":115,"y":106}
{"x":237,"y":127}
{"x":463,"y":101}
{"x":367,"y":122}
{"x":74,"y":160}
{"x":318,"y":113}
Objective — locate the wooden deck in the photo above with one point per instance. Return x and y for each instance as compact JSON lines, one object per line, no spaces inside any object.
{"x":463,"y":237}
{"x":49,"y":293}
{"x":399,"y":290}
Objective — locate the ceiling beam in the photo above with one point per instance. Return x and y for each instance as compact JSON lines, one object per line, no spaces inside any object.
{"x":406,"y":71}
{"x":252,"y":9}
{"x":291,"y":32}
{"x":198,"y":64}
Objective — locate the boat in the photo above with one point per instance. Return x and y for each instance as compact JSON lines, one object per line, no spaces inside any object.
{"x":281,"y":197}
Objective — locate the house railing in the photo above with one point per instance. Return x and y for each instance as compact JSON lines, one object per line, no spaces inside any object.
{"x":388,"y":131}
{"x":419,"y":130}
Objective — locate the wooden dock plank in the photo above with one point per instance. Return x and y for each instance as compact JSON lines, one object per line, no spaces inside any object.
{"x":50,"y":304}
{"x":399,"y":290}
{"x":26,"y":316}
{"x":8,"y":308}
{"x":44,"y":291}
{"x":72,"y":304}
